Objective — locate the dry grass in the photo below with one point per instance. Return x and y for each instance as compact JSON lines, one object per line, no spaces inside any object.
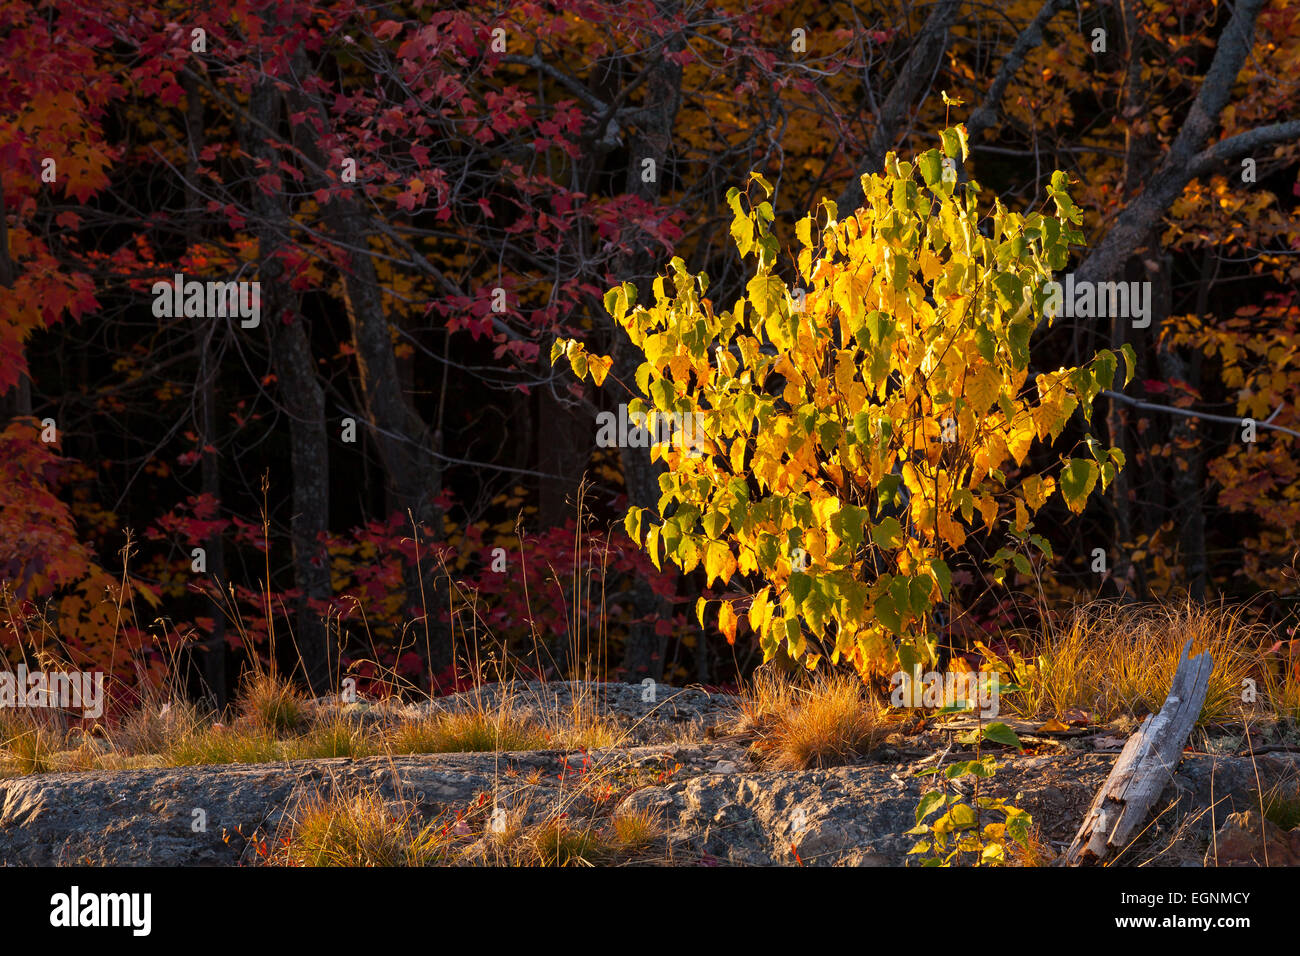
{"x":635,"y":831}
{"x":1035,"y":852}
{"x":470,"y":731}
{"x":154,"y":726}
{"x":275,"y":722}
{"x":364,"y":829}
{"x":333,"y":735}
{"x":1113,"y":660}
{"x":29,"y":746}
{"x":560,"y":841}
{"x":1281,"y":683}
{"x":218,"y":744}
{"x":360,"y":829}
{"x":505,"y":725}
{"x":272,"y":704}
{"x":1281,"y":805}
{"x":557,"y":842}
{"x":826,"y":722}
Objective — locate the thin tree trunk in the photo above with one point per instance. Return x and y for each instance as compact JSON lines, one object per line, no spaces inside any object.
{"x":304,"y":402}
{"x":205,"y":405}
{"x":1188,"y":462}
{"x":564,"y":441}
{"x":643,"y":655}
{"x":404,"y":442}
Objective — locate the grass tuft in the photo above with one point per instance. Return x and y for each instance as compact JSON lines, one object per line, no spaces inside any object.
{"x":360,"y":830}
{"x":272,"y":704}
{"x":474,"y":731}
{"x":827,"y":722}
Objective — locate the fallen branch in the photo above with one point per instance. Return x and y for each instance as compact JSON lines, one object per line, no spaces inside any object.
{"x":1145,"y":765}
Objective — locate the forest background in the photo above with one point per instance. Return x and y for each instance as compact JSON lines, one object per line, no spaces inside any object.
{"x":381,"y":476}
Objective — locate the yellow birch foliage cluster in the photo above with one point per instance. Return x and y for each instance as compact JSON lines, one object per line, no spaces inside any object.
{"x":834,"y":441}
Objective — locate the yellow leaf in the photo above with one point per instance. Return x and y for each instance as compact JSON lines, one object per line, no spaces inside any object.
{"x":599,"y":366}
{"x":1020,"y":437}
{"x":1037,"y":490}
{"x":982,"y":389}
{"x":988,"y":506}
{"x":719,"y":563}
{"x":760,"y":611}
{"x":727,"y":621}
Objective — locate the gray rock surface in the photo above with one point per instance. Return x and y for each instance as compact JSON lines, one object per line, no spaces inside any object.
{"x":716,"y":805}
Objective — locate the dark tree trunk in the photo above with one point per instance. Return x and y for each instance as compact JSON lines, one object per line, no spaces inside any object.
{"x":644,"y":654}
{"x":1187,"y":465}
{"x":565,"y":435}
{"x":213,"y":650}
{"x":304,"y":402}
{"x":404,"y":443}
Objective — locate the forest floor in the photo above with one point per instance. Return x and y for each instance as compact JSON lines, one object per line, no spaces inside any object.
{"x":685,"y":778}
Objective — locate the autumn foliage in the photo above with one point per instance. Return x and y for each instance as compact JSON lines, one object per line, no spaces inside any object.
{"x":431,"y":196}
{"x":855,"y":433}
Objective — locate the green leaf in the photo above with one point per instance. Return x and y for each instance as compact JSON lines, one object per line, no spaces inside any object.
{"x":961,"y":816}
{"x":800,"y":585}
{"x":920,"y":588}
{"x":942,"y":575}
{"x":928,"y":804}
{"x":887,"y":613}
{"x":794,"y":638}
{"x":803,"y":230}
{"x":888,"y":533}
{"x":714,"y":523}
{"x":742,"y":231}
{"x":887,"y":492}
{"x":632,"y":523}
{"x":1000,"y":733}
{"x":900,"y":589}
{"x":652,"y":546}
{"x":766,"y":294}
{"x":931,"y":165}
{"x":954,"y":143}
{"x":1130,"y":362}
{"x":616,"y":303}
{"x":1077,"y":481}
{"x":1104,"y":368}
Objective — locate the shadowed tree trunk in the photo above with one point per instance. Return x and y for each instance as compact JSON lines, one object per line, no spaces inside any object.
{"x":404,"y":442}
{"x":644,"y":654}
{"x":213,"y":663}
{"x":1187,"y":466}
{"x":304,"y":402}
{"x":565,"y":434}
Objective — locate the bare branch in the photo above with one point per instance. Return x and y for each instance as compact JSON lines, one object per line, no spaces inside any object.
{"x":1206,"y":416}
{"x":912,"y":76}
{"x":1176,"y":170}
{"x":1031,"y":36}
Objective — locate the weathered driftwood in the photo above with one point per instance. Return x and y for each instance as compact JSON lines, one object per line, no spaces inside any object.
{"x":1145,"y":765}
